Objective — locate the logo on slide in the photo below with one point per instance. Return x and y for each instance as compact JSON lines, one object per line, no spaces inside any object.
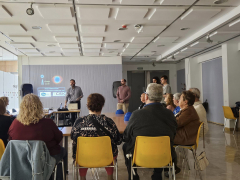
{"x":57,"y":79}
{"x":45,"y":94}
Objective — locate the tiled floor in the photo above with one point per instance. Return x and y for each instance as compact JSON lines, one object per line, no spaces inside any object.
{"x":222,"y":150}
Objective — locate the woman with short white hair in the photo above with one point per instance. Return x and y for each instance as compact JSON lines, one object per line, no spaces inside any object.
{"x":176,"y":98}
{"x":200,"y":110}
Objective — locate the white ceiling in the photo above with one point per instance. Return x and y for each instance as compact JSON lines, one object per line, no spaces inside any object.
{"x":99,"y":24}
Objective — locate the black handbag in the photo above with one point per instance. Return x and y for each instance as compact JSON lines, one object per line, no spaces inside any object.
{"x":205,"y":105}
{"x":98,"y":126}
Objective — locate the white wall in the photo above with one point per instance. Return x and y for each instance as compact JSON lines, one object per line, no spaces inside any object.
{"x":146,"y":67}
{"x":180,"y":65}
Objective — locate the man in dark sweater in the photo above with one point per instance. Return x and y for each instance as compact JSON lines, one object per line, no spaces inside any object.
{"x":153,"y":120}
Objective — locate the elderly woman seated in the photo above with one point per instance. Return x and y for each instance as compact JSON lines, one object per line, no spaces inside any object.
{"x":200,"y":110}
{"x":84,"y":126}
{"x":176,"y":98}
{"x":187,"y":120}
{"x":30,"y":124}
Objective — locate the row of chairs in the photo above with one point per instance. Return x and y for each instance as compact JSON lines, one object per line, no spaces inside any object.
{"x":228,"y":114}
{"x":149,"y":152}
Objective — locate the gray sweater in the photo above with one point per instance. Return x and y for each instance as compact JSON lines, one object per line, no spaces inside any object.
{"x":152,"y":120}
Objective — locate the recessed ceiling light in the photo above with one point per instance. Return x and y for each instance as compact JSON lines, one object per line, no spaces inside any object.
{"x":184,"y":49}
{"x":51,"y":51}
{"x":160,"y":45}
{"x":51,"y":45}
{"x":161,"y":2}
{"x":116,"y":40}
{"x":37,"y":27}
{"x":213,"y":34}
{"x":154,"y":51}
{"x":220,"y":1}
{"x":156,"y":39}
{"x":194,"y":44}
{"x":184,"y":29}
{"x":111,"y":51}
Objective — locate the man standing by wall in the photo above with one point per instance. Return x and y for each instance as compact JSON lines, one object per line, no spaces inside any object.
{"x":123,"y":96}
{"x":166,"y":87}
{"x":74,"y":94}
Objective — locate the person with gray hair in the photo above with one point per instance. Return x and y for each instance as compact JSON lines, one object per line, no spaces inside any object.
{"x":176,"y":98}
{"x":200,"y":110}
{"x":152,"y":120}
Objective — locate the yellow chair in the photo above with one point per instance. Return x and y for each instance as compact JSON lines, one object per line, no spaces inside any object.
{"x":193,"y":148}
{"x":152,"y":152}
{"x":94,"y":152}
{"x":2,"y":148}
{"x":228,"y":114}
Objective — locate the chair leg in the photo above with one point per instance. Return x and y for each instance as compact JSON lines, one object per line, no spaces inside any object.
{"x":163,"y":175}
{"x":55,"y":173}
{"x":174,"y":174}
{"x":224,"y":124}
{"x":235,"y":126}
{"x":63,"y":170}
{"x":196,"y":163}
{"x":73,"y":172}
{"x":116,"y":170}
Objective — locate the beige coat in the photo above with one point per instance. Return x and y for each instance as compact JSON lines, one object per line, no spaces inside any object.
{"x":202,"y":116}
{"x":188,"y":124}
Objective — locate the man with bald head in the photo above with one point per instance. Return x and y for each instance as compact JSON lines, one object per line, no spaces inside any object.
{"x":123,"y":96}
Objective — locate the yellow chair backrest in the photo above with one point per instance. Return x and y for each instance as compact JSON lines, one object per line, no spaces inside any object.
{"x":2,"y":148}
{"x":198,"y":134}
{"x":93,"y":152}
{"x":152,"y":152}
{"x":228,"y":112}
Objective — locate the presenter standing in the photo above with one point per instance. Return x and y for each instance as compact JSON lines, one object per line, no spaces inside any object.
{"x":123,"y":96}
{"x":74,"y":94}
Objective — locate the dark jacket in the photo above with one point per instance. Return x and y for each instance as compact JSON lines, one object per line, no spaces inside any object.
{"x":45,"y":130}
{"x":188,"y":124}
{"x":152,"y":120}
{"x":5,"y":123}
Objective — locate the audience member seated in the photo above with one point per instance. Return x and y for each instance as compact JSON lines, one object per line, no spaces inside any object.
{"x":5,"y":123}
{"x":153,"y":120}
{"x":187,"y":120}
{"x":200,"y":110}
{"x":6,"y":103}
{"x":84,"y":126}
{"x":169,"y":102}
{"x":143,"y":101}
{"x":30,"y":125}
{"x":176,"y":98}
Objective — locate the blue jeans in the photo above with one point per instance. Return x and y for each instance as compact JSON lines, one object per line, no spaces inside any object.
{"x":58,"y":157}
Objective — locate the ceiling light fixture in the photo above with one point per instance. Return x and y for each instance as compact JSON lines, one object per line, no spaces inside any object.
{"x":120,"y":54}
{"x":36,"y":27}
{"x":184,"y":49}
{"x":169,"y":57}
{"x":213,"y":34}
{"x":164,"y":60}
{"x":152,"y":14}
{"x":30,"y":11}
{"x":127,"y":45}
{"x":132,"y":39}
{"x":176,"y":53}
{"x":156,"y":39}
{"x":186,"y":14}
{"x":123,"y":50}
{"x":219,"y":1}
{"x":116,"y":13}
{"x":161,"y":2}
{"x":194,"y":44}
{"x":52,"y":51}
{"x":160,"y":45}
{"x":116,"y":40}
{"x":234,"y":22}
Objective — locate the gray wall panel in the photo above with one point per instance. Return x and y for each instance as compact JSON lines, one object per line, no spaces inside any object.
{"x":180,"y":80}
{"x":212,"y":80}
{"x":91,"y":78}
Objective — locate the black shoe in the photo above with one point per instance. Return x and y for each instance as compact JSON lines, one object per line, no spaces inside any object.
{"x":177,"y":170}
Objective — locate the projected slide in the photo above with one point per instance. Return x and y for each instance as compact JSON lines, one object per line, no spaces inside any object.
{"x":50,"y":86}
